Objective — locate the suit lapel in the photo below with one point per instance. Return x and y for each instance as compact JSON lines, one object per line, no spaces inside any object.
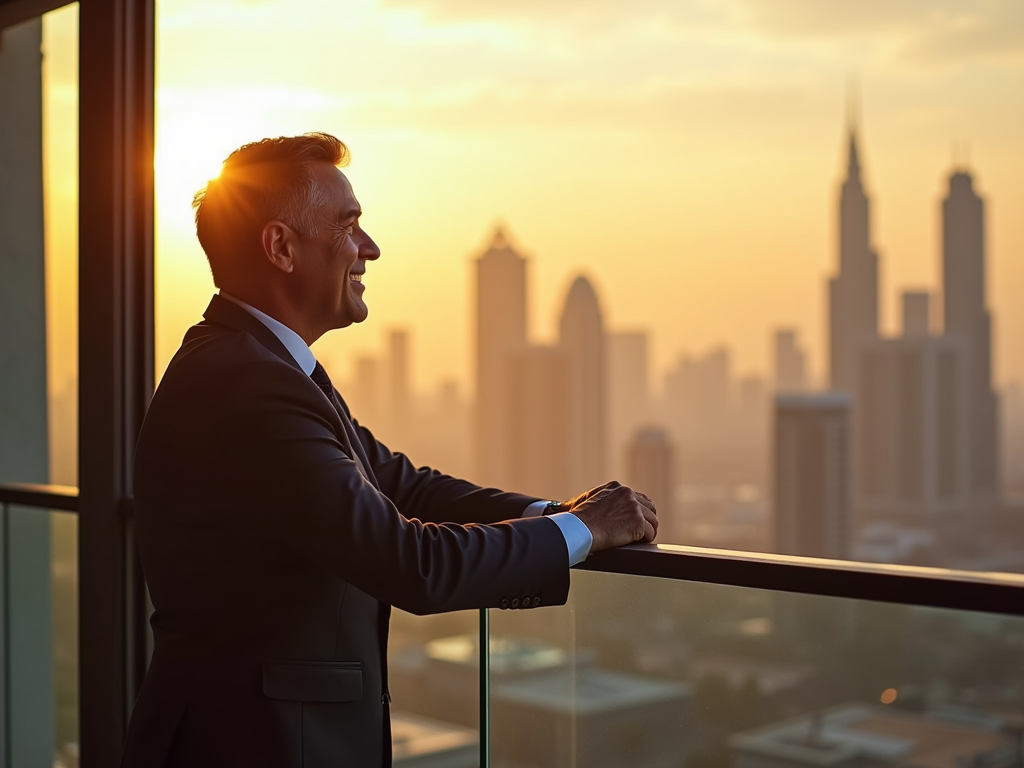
{"x":351,"y":440}
{"x":224,"y":312}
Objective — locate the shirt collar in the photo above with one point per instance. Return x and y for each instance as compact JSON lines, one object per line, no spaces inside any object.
{"x":296,"y":347}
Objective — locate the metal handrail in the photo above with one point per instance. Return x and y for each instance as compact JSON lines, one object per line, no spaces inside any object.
{"x":903,"y":584}
{"x":908,"y":585}
{"x":62,"y":497}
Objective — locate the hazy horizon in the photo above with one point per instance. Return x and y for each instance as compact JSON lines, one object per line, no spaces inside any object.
{"x":686,"y":157}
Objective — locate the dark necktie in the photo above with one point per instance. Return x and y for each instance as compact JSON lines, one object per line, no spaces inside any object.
{"x":322,"y":380}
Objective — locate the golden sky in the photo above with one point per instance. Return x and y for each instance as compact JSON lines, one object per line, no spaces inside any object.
{"x":685,"y":154}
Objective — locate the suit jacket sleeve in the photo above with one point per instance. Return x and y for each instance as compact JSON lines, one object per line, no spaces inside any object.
{"x":312,"y":495}
{"x":433,"y":496}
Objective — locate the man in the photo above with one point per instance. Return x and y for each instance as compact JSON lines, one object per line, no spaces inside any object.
{"x":276,"y":533}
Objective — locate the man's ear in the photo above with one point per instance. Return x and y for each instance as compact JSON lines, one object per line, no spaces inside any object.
{"x":276,"y":238}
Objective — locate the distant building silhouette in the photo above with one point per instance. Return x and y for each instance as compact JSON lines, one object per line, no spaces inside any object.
{"x":363,"y":395}
{"x":812,"y":474}
{"x":750,"y":429}
{"x":650,"y":470}
{"x":853,"y":292}
{"x":500,"y":326}
{"x":917,"y":313}
{"x":629,"y":406}
{"x":399,"y":404}
{"x":965,"y":315}
{"x":927,"y":415}
{"x":558,"y":709}
{"x":583,"y":342}
{"x":858,"y":734}
{"x":1012,"y":407}
{"x":790,"y":362}
{"x":539,"y":394}
{"x":912,"y":421}
{"x":698,"y":397}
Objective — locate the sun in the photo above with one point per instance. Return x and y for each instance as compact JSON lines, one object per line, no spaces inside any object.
{"x":195,"y":133}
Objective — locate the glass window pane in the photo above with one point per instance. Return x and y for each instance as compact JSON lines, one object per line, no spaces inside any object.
{"x":40,"y":618}
{"x":434,"y":681}
{"x":60,"y":189}
{"x":38,"y":385}
{"x":613,"y":237}
{"x":649,"y":673}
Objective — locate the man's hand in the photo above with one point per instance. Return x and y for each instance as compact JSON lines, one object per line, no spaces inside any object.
{"x":615,"y":515}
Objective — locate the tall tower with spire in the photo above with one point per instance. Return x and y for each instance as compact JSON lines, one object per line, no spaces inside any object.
{"x":500,"y":336}
{"x":966,"y":316}
{"x":853,"y":291}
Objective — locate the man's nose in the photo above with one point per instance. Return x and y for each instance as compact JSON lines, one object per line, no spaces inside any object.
{"x":368,"y":249}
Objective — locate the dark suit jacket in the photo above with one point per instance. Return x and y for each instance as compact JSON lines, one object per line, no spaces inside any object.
{"x":275,"y":534}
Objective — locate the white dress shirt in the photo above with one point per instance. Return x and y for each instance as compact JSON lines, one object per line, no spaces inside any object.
{"x":578,"y":538}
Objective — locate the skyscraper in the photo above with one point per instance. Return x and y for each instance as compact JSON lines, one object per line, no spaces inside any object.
{"x":912,"y":424}
{"x":790,"y":362}
{"x":582,"y":340}
{"x":539,"y":436}
{"x":965,"y":315}
{"x":650,"y":471}
{"x":363,"y":393}
{"x":853,"y":292}
{"x":500,"y":334}
{"x":628,"y":393}
{"x":399,"y":403}
{"x":917,"y":313}
{"x":699,"y":397}
{"x":812,"y":474}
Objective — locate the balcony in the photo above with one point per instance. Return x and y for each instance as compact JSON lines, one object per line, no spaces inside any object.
{"x":664,"y":656}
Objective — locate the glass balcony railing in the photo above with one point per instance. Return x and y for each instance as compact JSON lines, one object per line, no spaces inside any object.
{"x":651,"y":672}
{"x":39,"y":626}
{"x":675,"y":657}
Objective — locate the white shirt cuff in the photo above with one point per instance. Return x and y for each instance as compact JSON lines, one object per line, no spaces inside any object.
{"x":578,"y":538}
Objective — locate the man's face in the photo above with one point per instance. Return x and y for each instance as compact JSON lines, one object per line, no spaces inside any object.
{"x":333,"y":261}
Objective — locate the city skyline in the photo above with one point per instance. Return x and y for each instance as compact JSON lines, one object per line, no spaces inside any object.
{"x":915,"y":400}
{"x":724,"y":158}
{"x":816,"y":360}
{"x":664,"y":181}
{"x":784,"y":344}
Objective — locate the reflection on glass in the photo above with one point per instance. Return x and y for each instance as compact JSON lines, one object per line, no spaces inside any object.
{"x":60,"y":201}
{"x":434,"y":682}
{"x":41,"y":634}
{"x":38,"y":386}
{"x":64,"y":543}
{"x":659,"y":673}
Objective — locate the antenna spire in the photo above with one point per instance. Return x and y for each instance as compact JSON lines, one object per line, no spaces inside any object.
{"x":852,"y":122}
{"x":852,"y":102}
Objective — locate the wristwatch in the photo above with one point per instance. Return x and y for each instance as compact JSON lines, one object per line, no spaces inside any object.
{"x":554,"y":507}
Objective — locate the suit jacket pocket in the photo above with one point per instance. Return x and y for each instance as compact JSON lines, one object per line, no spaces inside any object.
{"x":313,"y":681}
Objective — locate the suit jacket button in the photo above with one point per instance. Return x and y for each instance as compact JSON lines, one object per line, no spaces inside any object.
{"x":515,"y":602}
{"x":504,"y":603}
{"x":536,"y":602}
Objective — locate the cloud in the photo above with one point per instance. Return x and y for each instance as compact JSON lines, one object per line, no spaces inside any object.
{"x":901,"y":31}
{"x":932,"y":32}
{"x":993,"y":38}
{"x":573,"y":17}
{"x":710,"y":115}
{"x":831,"y":20}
